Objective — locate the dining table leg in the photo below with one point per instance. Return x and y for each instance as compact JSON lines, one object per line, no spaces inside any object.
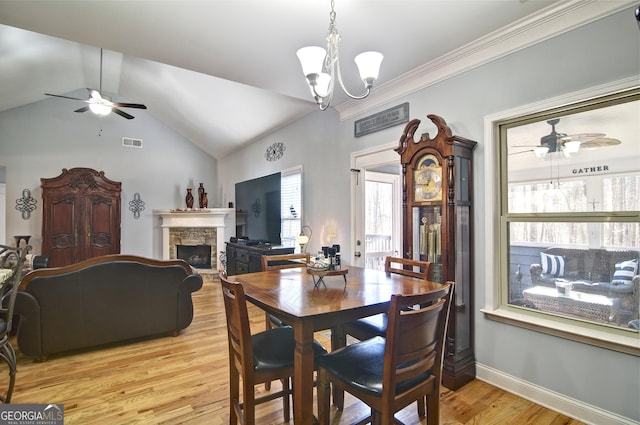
{"x":303,"y":374}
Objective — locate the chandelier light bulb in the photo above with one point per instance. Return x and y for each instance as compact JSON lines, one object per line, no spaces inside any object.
{"x":368,"y":64}
{"x":311,"y":59}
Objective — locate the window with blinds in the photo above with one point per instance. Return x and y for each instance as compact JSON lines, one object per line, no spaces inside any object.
{"x":290,"y":205}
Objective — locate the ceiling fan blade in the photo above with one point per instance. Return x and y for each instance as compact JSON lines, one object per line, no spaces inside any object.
{"x":123,"y":114}
{"x":601,"y":142}
{"x":65,"y":97}
{"x":129,"y":105}
{"x":584,"y":137}
{"x":516,"y":153}
{"x":83,"y":109}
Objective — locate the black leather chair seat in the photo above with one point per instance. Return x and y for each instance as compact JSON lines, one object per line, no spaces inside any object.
{"x":276,"y":322}
{"x":273,"y":349}
{"x":371,"y":326}
{"x":361,"y":365}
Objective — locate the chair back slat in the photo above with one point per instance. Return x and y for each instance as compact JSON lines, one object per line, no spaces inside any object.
{"x":416,"y":328}
{"x":407,"y":267}
{"x":285,"y":261}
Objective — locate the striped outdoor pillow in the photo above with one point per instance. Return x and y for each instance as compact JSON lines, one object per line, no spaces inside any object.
{"x":552,"y":264}
{"x":625,"y":270}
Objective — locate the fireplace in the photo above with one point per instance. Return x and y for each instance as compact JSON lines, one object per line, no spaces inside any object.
{"x":196,"y":236}
{"x":198,"y":256}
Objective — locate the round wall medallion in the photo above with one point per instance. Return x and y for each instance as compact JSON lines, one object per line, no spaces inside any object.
{"x":274,"y":152}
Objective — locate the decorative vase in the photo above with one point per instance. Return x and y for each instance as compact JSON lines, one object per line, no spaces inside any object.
{"x":205,"y":201}
{"x":201,"y":195}
{"x":189,"y":198}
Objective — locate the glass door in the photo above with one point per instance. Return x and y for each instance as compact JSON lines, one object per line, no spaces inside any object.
{"x":381,"y":218}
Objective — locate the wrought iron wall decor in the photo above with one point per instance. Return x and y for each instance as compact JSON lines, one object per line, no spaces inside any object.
{"x":136,"y":205}
{"x":26,"y":204}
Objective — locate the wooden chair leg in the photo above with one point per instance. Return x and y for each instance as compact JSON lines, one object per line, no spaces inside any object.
{"x":268,"y":325}
{"x":286,"y":397}
{"x":433,"y":408}
{"x":422,"y":403}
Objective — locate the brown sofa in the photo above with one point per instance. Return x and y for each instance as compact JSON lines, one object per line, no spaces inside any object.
{"x":592,"y":271}
{"x":103,"y":300}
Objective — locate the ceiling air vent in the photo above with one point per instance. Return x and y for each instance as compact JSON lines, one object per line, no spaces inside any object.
{"x":131,"y":143}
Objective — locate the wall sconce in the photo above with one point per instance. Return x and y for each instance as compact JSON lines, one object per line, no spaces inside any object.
{"x":304,"y":237}
{"x":331,"y":233}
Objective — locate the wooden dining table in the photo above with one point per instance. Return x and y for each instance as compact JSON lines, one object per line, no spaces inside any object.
{"x":290,"y":294}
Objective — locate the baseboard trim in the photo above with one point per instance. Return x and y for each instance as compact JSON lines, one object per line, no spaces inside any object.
{"x":552,"y":400}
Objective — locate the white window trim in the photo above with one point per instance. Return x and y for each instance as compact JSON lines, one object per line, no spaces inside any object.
{"x":614,"y":339}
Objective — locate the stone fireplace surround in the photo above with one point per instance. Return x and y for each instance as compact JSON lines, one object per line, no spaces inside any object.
{"x":213,"y":226}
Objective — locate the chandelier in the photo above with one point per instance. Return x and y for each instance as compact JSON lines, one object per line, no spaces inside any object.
{"x":321,"y":67}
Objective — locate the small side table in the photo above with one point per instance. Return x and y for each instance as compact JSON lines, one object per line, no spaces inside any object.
{"x":318,"y":275}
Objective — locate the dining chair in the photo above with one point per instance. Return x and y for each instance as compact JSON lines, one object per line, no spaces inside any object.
{"x":12,"y":261}
{"x":278,"y":262}
{"x":392,"y":372}
{"x":376,"y":325}
{"x":256,"y":359}
{"x":368,"y":327}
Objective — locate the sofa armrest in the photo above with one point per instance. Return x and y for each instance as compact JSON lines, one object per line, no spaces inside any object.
{"x":192,"y":282}
{"x":29,"y":334}
{"x":189,"y":284}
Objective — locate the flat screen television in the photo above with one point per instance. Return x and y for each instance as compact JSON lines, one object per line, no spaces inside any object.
{"x":258,"y":210}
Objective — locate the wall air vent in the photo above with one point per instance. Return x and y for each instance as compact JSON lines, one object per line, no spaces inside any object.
{"x":131,"y":143}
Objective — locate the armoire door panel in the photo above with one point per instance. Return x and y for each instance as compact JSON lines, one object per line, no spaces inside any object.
{"x":81,"y":216}
{"x":61,"y":242}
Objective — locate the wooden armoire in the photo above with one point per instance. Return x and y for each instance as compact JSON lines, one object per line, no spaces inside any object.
{"x":80,"y":216}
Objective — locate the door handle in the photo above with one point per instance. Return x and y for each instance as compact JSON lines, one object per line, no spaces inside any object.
{"x":357,"y":254}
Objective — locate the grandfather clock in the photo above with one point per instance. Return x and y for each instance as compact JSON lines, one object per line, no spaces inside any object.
{"x":437,"y":227}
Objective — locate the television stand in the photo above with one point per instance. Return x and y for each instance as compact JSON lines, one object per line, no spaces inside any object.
{"x":243,"y":257}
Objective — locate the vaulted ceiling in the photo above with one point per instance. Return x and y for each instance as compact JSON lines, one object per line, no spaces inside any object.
{"x":224,"y":72}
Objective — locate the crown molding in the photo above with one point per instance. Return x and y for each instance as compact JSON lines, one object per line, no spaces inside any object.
{"x":547,"y":23}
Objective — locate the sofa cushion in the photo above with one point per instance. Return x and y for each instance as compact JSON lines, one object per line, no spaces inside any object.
{"x":624,"y":272}
{"x":552,"y":264}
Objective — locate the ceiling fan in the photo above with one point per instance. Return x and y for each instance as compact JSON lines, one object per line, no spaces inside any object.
{"x":566,"y":143}
{"x":102,"y":105}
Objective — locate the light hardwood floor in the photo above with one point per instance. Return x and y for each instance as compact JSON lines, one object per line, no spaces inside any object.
{"x":183,"y":380}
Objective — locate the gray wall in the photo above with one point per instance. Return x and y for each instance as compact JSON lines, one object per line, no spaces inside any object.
{"x":40,"y":139}
{"x":604,"y":51}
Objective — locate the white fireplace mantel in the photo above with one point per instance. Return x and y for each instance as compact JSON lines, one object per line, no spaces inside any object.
{"x":223,"y":219}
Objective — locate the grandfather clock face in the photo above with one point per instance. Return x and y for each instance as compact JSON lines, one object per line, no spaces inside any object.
{"x":427,"y":179}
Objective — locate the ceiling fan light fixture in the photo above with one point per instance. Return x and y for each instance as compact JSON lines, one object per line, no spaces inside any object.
{"x":541,"y":151}
{"x":100,"y":109}
{"x":572,"y":146}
